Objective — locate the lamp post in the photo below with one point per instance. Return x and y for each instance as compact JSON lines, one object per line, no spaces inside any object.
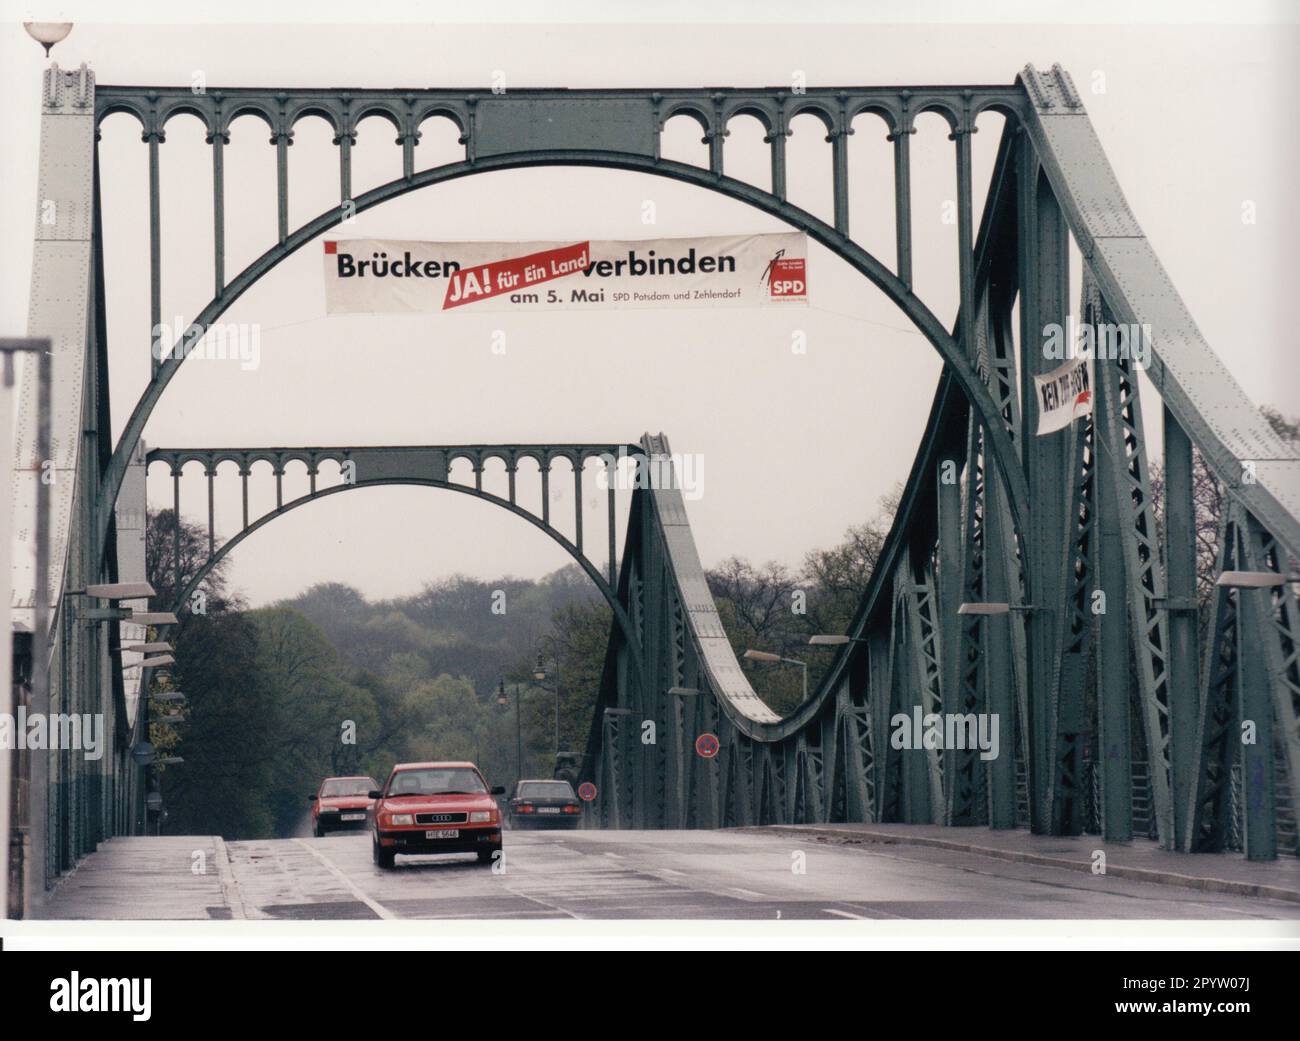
{"x":502,"y":700}
{"x":774,"y":659}
{"x":539,"y":676}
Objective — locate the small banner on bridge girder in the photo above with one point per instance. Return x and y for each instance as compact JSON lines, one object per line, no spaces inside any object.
{"x":367,"y":276}
{"x":1064,"y":394}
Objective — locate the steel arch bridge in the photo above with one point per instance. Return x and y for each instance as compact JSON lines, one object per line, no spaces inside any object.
{"x":1121,"y":721}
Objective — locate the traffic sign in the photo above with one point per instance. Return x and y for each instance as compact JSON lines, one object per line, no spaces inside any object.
{"x":586,"y":791}
{"x":706,"y":746}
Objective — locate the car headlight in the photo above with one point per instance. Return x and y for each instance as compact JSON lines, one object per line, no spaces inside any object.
{"x":400,"y":819}
{"x":482,"y":816}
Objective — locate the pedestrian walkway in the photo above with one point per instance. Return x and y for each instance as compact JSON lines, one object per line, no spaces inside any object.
{"x":1140,"y":859}
{"x":146,"y":877}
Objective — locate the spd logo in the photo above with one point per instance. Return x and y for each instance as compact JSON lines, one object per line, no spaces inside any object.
{"x":788,"y":279}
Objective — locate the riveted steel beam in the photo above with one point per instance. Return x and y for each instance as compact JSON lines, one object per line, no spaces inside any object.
{"x":1180,"y":571}
{"x":1120,"y":433}
{"x":1044,"y":287}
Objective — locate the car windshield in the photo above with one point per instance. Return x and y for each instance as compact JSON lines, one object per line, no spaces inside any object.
{"x":338,"y":786}
{"x":545,"y":790}
{"x":442,"y":780}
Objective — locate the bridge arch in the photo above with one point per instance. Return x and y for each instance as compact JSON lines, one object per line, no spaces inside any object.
{"x":510,"y":455}
{"x":955,"y":359}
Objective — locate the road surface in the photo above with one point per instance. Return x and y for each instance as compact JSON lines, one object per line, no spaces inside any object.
{"x":682,"y":875}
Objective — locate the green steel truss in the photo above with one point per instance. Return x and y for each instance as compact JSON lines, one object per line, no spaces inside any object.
{"x":1118,"y":721}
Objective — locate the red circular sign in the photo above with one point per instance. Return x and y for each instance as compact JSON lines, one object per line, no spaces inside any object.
{"x":706,"y":745}
{"x":586,"y":791}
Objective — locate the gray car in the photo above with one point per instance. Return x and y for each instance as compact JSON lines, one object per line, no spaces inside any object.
{"x":544,"y":803}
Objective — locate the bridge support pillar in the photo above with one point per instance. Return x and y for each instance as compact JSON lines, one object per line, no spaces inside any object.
{"x":1114,"y":754}
{"x":1183,"y":608}
{"x":1257,"y":671}
{"x":1044,"y":290}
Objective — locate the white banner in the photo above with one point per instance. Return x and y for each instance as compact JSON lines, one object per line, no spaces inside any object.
{"x":366,"y":276}
{"x":1064,"y":394}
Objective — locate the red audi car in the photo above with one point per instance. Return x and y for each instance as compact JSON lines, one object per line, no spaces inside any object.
{"x":340,"y":802}
{"x":435,"y":808}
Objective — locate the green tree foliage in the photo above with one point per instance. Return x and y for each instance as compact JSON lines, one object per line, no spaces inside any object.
{"x":572,"y":656}
{"x":772,"y":609}
{"x":228,"y":741}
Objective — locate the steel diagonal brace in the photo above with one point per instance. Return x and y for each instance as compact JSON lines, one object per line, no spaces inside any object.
{"x":1121,"y":435}
{"x":1217,"y":737}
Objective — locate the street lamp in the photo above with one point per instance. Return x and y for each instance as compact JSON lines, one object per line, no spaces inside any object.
{"x":121,"y":591}
{"x":502,"y":700}
{"x":1254,"y":579}
{"x":153,"y":618}
{"x":776,"y":659}
{"x":829,"y":640}
{"x":539,"y":676}
{"x":47,"y":34}
{"x":992,"y":608}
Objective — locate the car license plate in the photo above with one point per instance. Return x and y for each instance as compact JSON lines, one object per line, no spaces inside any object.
{"x":548,"y":809}
{"x":443,"y":833}
{"x":353,"y":816}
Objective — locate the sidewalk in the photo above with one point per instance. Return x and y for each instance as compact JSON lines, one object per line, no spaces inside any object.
{"x":1141,"y":859}
{"x":145,"y":877}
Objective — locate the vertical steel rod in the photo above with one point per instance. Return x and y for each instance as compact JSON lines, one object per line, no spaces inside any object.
{"x":839,"y":139}
{"x":612,"y":568}
{"x":577,"y":504}
{"x":211,"y":515}
{"x":281,"y":141}
{"x":777,"y":141}
{"x":345,"y":141}
{"x":219,"y":142}
{"x":176,"y":533}
{"x":965,"y":240}
{"x":1180,"y":588}
{"x":903,"y":203}
{"x":155,"y":255}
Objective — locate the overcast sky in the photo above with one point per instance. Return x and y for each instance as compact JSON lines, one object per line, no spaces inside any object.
{"x":1197,"y":120}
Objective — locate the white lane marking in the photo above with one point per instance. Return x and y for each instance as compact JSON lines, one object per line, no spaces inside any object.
{"x":548,"y":904}
{"x":843,"y":914}
{"x":616,"y":856}
{"x":750,"y":892}
{"x":671,"y":871}
{"x":374,"y":905}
